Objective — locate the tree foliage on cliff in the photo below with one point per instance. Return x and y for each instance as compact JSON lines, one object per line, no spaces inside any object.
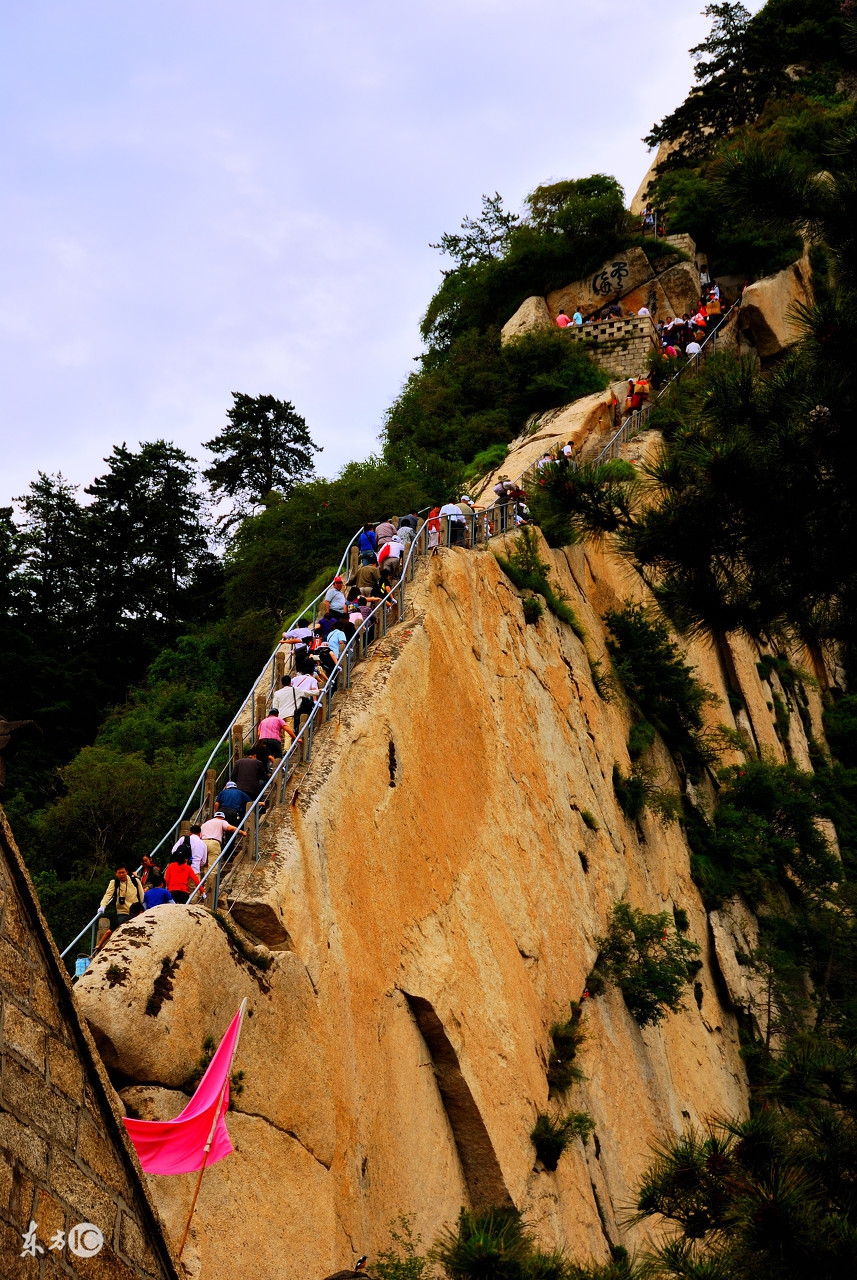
{"x":469,"y":392}
{"x":746,"y":61}
{"x":778,"y":80}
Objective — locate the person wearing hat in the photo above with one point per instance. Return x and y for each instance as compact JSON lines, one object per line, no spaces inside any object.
{"x":213,"y":832}
{"x":334,"y":597}
{"x":232,"y":802}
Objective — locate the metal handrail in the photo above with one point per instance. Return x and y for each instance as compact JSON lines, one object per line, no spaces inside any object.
{"x":343,"y":666}
{"x":199,"y":786}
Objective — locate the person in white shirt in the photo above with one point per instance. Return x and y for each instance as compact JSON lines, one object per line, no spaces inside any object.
{"x":568,"y":449}
{"x":285,"y":701}
{"x":644,"y":311}
{"x":456,"y":522}
{"x":198,"y":848}
{"x":693,"y":348}
{"x":306,"y":688}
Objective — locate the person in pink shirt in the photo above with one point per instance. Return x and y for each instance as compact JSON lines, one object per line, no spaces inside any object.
{"x":563,"y":320}
{"x":270,"y":736}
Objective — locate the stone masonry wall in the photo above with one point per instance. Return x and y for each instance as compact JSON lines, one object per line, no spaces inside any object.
{"x":64,"y":1155}
{"x":622,"y":347}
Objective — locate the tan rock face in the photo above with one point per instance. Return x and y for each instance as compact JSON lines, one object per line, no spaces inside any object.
{"x":442,"y":893}
{"x":766,"y":320}
{"x":587,"y":423}
{"x":626,"y":271}
{"x":531,"y":314}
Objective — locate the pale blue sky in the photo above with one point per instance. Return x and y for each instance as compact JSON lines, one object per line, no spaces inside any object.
{"x":200,"y":197}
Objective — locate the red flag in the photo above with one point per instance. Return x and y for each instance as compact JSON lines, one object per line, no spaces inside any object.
{"x":179,"y":1146}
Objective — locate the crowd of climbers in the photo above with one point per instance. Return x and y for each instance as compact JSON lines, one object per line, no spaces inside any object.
{"x":346,"y":609}
{"x":678,"y":335}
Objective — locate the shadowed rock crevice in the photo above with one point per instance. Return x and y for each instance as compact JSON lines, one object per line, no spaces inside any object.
{"x":481,"y":1169}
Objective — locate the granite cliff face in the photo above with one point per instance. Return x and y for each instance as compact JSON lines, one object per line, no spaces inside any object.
{"x":431,"y":897}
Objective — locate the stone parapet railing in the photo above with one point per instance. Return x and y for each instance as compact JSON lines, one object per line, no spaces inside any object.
{"x":616,"y":330}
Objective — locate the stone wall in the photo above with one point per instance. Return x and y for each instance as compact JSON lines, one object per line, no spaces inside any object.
{"x":64,"y":1156}
{"x":622,"y":347}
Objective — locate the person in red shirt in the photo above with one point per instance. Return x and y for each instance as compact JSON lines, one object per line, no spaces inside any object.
{"x":180,"y":878}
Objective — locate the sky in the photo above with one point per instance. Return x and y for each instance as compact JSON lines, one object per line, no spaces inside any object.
{"x":200,"y":197}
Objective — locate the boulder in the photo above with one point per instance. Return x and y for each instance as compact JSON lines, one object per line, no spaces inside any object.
{"x":531,"y":314}
{"x":151,"y":1002}
{"x":767,"y":319}
{"x":627,"y":270}
{"x":681,"y":287}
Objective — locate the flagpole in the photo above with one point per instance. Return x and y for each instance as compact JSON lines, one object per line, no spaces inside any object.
{"x":213,"y":1128}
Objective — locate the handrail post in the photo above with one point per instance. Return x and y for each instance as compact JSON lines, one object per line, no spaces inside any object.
{"x":250,"y":824}
{"x":237,"y":743}
{"x":208,"y":797}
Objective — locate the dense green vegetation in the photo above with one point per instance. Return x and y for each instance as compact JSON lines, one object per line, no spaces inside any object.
{"x":778,"y":81}
{"x":648,"y":960}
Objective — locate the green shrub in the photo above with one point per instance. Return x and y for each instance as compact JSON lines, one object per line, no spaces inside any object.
{"x":659,"y":682}
{"x":402,"y":1260}
{"x":641,"y":738}
{"x":476,"y":393}
{"x":488,"y":1244}
{"x":589,"y":819}
{"x":639,"y":790}
{"x":782,"y":718}
{"x":552,"y":1135}
{"x":594,"y":984}
{"x":566,"y":1039}
{"x":528,"y":571}
{"x":570,"y":504}
{"x":630,"y":792}
{"x":765,"y":835}
{"x":489,"y":459}
{"x":533,"y":610}
{"x":682,"y":919}
{"x":647,"y":960}
{"x":840,"y":727}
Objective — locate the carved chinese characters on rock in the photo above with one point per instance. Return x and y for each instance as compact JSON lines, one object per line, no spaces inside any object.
{"x":613,"y":279}
{"x":609,"y":279}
